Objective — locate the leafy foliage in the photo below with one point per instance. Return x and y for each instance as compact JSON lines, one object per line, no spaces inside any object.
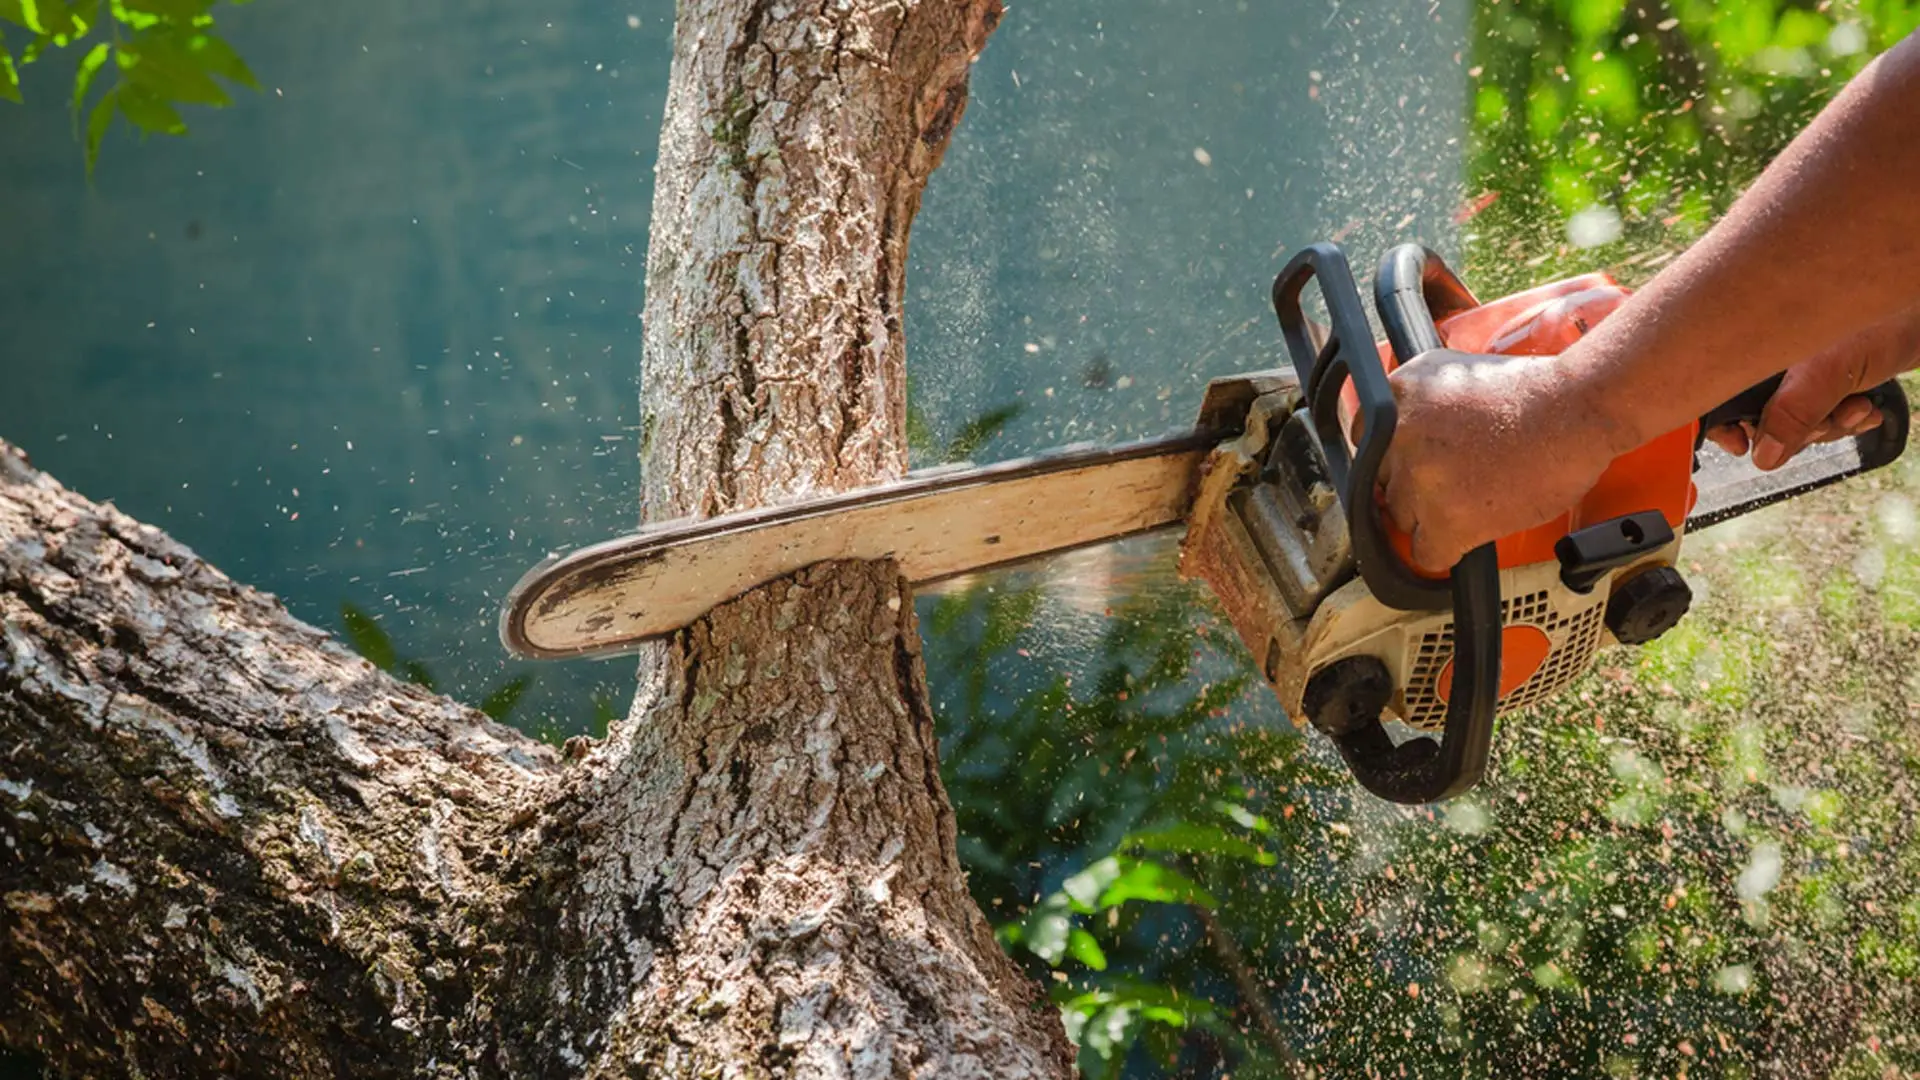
{"x":1091,"y":810}
{"x":1611,"y":134}
{"x":145,"y":57}
{"x":1678,"y":868}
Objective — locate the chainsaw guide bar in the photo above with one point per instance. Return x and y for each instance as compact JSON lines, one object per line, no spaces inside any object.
{"x":937,"y":524}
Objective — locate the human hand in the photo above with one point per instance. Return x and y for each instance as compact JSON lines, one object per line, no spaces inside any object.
{"x":1487,"y":446}
{"x":1821,"y":398}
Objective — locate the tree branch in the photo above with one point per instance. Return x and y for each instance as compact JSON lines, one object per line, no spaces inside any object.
{"x":226,"y":843}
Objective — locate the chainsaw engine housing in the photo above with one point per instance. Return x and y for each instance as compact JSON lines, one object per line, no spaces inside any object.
{"x":1272,"y":532}
{"x":1269,"y":538}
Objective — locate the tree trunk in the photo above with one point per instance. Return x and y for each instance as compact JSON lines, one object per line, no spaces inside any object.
{"x":229,"y":847}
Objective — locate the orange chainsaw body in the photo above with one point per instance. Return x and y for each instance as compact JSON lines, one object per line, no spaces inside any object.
{"x":1544,"y":321}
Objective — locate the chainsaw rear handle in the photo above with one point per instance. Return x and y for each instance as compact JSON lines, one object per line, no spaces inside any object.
{"x":1345,"y":699}
{"x":1876,"y":448}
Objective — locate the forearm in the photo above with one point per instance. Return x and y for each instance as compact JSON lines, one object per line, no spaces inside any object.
{"x":1825,"y":242}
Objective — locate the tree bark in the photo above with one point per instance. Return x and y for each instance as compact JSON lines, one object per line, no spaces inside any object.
{"x":229,"y":847}
{"x":810,"y":903}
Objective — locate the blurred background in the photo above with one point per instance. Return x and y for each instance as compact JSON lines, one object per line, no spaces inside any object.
{"x":368,"y":340}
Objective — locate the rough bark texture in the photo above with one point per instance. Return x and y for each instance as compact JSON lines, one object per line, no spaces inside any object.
{"x":797,"y":142}
{"x":806,"y":909}
{"x":767,"y":880}
{"x":230,"y":847}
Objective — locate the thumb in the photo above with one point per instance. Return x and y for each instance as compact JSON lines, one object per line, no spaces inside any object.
{"x":1798,"y":411}
{"x":1432,"y":551}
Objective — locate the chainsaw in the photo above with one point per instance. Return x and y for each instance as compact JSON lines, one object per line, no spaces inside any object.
{"x":1282,"y":523}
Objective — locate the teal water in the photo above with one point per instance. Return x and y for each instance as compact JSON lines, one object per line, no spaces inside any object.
{"x":370,"y":336}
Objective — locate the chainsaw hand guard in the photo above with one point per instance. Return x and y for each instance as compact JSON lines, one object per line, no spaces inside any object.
{"x":1409,"y":286}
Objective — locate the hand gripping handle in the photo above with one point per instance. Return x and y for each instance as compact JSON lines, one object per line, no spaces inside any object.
{"x":1877,"y":447}
{"x":1411,"y":282}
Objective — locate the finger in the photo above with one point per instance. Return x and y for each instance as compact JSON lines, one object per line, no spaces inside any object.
{"x":1867,"y":422}
{"x":1729,"y":437}
{"x":1794,"y":415}
{"x":1851,"y":414}
{"x":1854,"y":416}
{"x":1400,"y":503}
{"x":1433,"y":552}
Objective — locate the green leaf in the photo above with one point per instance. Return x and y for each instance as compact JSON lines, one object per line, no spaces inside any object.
{"x":90,"y":66}
{"x":1155,"y":884}
{"x":976,"y":432}
{"x":364,"y":635}
{"x":1085,"y":949}
{"x":1117,"y":879}
{"x":1192,"y":839}
{"x":159,"y":64}
{"x":9,"y":78}
{"x":1161,"y":1003}
{"x":501,"y":702}
{"x":50,"y":17}
{"x":214,"y":55}
{"x":97,"y":124}
{"x":134,"y":20}
{"x":1590,"y":19}
{"x":171,"y":9}
{"x":148,"y":112}
{"x":1243,"y":817}
{"x":1086,"y":887}
{"x":1046,"y":929}
{"x":416,"y":673}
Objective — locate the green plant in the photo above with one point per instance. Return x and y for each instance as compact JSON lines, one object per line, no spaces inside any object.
{"x":1098,"y":810}
{"x":367,"y":637}
{"x":1610,"y":134}
{"x":144,"y":57}
{"x":965,"y":441}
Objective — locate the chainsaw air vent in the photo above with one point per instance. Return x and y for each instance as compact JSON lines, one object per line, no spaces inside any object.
{"x":1573,"y":635}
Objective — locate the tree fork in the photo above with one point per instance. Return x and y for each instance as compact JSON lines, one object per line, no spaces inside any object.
{"x":232,"y":847}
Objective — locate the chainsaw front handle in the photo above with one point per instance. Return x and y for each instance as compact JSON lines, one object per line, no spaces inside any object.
{"x":1349,"y":354}
{"x":1350,"y":695}
{"x":1414,"y":290}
